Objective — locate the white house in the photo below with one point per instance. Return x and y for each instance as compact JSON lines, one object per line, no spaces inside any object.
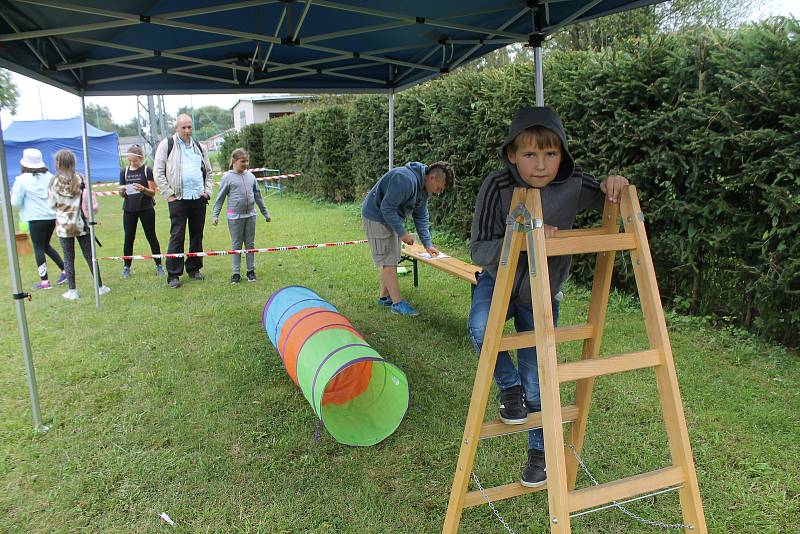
{"x":263,"y":108}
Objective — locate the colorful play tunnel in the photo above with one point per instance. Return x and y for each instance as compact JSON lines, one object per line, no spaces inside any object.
{"x":360,"y":397}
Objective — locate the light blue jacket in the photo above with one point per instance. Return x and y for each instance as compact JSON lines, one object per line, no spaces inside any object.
{"x":29,"y":195}
{"x":398,"y":193}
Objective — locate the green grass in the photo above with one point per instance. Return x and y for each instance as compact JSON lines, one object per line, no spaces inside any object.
{"x":174,"y":401}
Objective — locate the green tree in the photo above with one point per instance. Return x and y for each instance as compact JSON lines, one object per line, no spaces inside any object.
{"x":130,"y":128}
{"x":100,"y":117}
{"x":8,"y":92}
{"x":209,"y":120}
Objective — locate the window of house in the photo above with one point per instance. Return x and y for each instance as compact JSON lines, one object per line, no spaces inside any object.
{"x":242,"y":118}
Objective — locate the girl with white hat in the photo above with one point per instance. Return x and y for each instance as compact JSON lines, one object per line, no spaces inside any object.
{"x":29,"y":195}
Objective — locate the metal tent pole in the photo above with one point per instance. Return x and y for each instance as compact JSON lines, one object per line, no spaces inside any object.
{"x":16,"y":287}
{"x":90,"y":211}
{"x":538,"y":81}
{"x":391,"y":129}
{"x":391,"y":83}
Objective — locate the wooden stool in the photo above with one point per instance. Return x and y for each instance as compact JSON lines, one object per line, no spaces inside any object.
{"x":23,"y":244}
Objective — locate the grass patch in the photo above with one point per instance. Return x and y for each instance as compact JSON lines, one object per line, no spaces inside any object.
{"x":174,"y":401}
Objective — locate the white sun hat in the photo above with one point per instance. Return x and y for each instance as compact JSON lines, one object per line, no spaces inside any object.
{"x":32,"y":159}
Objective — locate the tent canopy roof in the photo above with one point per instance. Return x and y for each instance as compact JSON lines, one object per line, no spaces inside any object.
{"x":133,"y":47}
{"x":27,"y":131}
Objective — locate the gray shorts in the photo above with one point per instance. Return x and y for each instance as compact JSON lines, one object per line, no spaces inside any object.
{"x":383,"y":242}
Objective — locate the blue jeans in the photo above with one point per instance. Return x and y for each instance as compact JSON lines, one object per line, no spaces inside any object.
{"x":506,"y":374}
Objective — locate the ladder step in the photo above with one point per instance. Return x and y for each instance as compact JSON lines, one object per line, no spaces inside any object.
{"x":521,"y":340}
{"x":498,"y":493}
{"x":491,"y":429}
{"x":625,"y":488}
{"x":564,"y":246}
{"x":605,"y":366}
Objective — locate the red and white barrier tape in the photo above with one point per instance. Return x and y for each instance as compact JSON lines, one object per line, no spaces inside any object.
{"x":231,"y":252}
{"x":263,"y":179}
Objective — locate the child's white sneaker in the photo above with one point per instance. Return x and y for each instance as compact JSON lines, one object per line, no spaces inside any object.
{"x":71,"y":294}
{"x":104,"y":290}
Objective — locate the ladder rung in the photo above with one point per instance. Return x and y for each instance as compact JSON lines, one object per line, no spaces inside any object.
{"x":624,"y":488}
{"x":521,"y":340}
{"x":564,"y":246}
{"x":495,"y":428}
{"x":606,"y":366}
{"x":498,"y":493}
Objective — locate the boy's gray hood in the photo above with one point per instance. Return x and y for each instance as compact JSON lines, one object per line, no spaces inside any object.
{"x":528,"y":116}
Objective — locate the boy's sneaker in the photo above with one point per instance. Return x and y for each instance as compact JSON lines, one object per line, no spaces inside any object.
{"x":385,"y":301}
{"x":196,"y":275}
{"x":251,"y":276}
{"x":126,"y":272}
{"x":235,"y":279}
{"x":404,"y":308}
{"x":62,"y":277}
{"x":71,"y":294}
{"x":44,"y":284}
{"x":104,"y":290}
{"x":512,"y":406}
{"x":174,"y":283}
{"x":159,"y":270}
{"x":535,"y":473}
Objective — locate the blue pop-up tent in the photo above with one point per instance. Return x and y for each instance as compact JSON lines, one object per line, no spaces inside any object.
{"x":50,"y":136}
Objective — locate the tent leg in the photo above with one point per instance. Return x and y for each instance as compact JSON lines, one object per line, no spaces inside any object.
{"x":90,"y":211}
{"x":391,"y":129}
{"x":17,"y":294}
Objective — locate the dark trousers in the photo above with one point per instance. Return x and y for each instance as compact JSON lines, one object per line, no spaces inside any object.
{"x":68,"y":246}
{"x":129,"y":222}
{"x":181,"y":213}
{"x":41,"y":232}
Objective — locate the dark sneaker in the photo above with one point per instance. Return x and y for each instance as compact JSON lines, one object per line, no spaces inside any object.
{"x":235,"y":278}
{"x":196,"y":275}
{"x":251,"y":276}
{"x":512,"y":406}
{"x":385,"y":301}
{"x":174,"y":283}
{"x":159,"y":270}
{"x":404,"y":308}
{"x":535,"y":473}
{"x":126,"y":272}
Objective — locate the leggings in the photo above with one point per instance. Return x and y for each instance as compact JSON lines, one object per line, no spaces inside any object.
{"x":129,"y":220}
{"x":41,"y":232}
{"x":68,"y":246}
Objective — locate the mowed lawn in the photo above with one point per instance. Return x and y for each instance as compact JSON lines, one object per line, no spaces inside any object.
{"x":174,"y":401}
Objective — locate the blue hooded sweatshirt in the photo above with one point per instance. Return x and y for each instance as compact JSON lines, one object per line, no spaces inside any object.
{"x":398,"y":193}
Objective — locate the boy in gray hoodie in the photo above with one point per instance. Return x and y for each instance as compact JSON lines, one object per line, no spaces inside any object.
{"x":535,"y":154}
{"x":241,"y":188}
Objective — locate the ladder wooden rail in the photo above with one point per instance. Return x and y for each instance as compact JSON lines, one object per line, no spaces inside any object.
{"x":525,"y":231}
{"x":521,"y":340}
{"x":595,"y":367}
{"x":625,"y":488}
{"x":492,"y":429}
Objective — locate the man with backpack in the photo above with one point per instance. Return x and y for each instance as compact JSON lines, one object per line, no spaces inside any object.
{"x":183,"y":174}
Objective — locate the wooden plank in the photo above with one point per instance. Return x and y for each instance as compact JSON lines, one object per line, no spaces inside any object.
{"x":565,"y":246}
{"x":605,"y":366}
{"x":496,"y":428}
{"x":625,"y":488}
{"x":498,"y":493}
{"x":521,"y":340}
{"x":452,"y":266}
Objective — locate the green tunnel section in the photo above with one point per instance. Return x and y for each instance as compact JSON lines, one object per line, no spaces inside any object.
{"x":360,"y":397}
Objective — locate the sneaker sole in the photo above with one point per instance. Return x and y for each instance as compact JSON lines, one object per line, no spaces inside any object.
{"x":406,"y":314}
{"x":514,"y":421}
{"x":533,"y":484}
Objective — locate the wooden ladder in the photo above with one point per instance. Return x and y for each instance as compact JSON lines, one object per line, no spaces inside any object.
{"x":525,"y":231}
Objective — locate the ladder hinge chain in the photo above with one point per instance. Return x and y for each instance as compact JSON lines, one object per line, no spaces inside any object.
{"x":491,"y":504}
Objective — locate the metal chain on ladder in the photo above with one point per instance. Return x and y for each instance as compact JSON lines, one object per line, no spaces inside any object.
{"x":615,"y":504}
{"x":495,"y":511}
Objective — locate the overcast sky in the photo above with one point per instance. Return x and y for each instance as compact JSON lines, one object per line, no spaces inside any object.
{"x":41,"y":101}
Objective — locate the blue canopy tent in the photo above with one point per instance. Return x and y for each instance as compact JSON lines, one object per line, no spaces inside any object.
{"x":50,"y":136}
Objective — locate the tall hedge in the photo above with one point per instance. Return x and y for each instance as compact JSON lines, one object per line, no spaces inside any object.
{"x":703,"y":123}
